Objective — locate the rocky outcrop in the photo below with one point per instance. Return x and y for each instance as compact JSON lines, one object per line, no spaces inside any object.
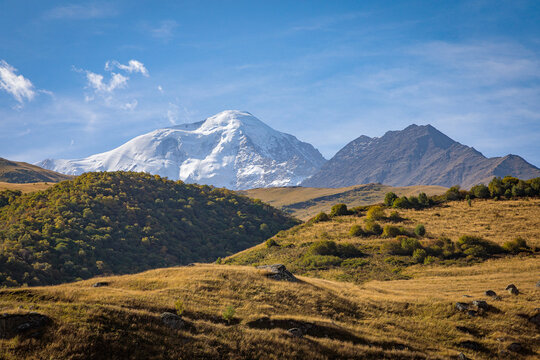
{"x":172,"y":320}
{"x":278,"y":272}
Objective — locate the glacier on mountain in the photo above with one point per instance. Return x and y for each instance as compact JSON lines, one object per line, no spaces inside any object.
{"x":232,"y":149}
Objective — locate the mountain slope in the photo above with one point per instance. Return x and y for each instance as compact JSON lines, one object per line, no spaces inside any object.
{"x":116,"y":222}
{"x":232,"y":149}
{"x":21,"y":172}
{"x":417,"y":155}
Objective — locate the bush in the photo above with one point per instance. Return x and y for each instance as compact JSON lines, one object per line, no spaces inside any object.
{"x":375,"y":213}
{"x":395,"y":217}
{"x":320,"y":261}
{"x":480,"y":191}
{"x":389,"y":198}
{"x":356,"y":230}
{"x":339,"y":210}
{"x":516,"y":246}
{"x":409,"y":245}
{"x":271,"y":243}
{"x":323,"y":247}
{"x":348,"y":250}
{"x":453,"y":193}
{"x":179,"y":306}
{"x":391,"y":231}
{"x":430,"y":259}
{"x":477,"y":247}
{"x":373,"y":228}
{"x":354,"y":262}
{"x":228,"y":313}
{"x":322,"y":216}
{"x":419,"y":255}
{"x":402,"y":203}
{"x":392,"y":247}
{"x":423,"y":200}
{"x":420,"y":230}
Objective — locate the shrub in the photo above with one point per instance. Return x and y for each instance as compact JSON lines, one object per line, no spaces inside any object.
{"x":420,"y":230}
{"x":430,"y":259}
{"x":480,"y":191}
{"x":423,"y":200}
{"x":323,"y":247}
{"x":348,"y":250}
{"x":179,"y":306}
{"x":477,"y":247}
{"x":389,"y":198}
{"x":408,"y":245}
{"x":339,"y":210}
{"x":356,"y":230}
{"x":402,"y":203}
{"x":391,"y":231}
{"x":395,"y":217}
{"x":354,"y":262}
{"x":373,"y":228}
{"x":322,"y":216}
{"x":320,"y":261}
{"x":392,"y":247}
{"x":271,"y":243}
{"x":228,"y":313}
{"x":419,"y":255}
{"x":515,"y":246}
{"x":453,"y":193}
{"x":375,"y":213}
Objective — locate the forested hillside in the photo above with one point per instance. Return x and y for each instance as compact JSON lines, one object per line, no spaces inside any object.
{"x":123,"y":222}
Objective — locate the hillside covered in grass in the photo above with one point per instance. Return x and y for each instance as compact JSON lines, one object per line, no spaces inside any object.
{"x":21,"y":172}
{"x":381,"y":243}
{"x":121,"y":222}
{"x":305,"y":202}
{"x":236,"y":312}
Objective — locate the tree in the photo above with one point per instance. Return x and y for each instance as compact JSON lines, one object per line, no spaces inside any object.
{"x":389,"y":198}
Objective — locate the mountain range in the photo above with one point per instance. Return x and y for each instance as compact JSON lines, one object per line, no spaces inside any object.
{"x":234,"y":149}
{"x":416,"y":155}
{"x":22,"y":173}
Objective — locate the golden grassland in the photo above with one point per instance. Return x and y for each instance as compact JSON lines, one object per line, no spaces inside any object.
{"x":371,"y":312}
{"x":401,"y":319}
{"x":26,"y":188}
{"x":305,"y":202}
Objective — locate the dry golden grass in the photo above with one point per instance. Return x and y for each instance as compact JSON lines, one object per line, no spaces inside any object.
{"x":25,"y":188}
{"x":392,"y":319}
{"x":305,"y":202}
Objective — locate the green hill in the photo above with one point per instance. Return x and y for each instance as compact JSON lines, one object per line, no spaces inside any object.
{"x":22,"y":173}
{"x":118,"y":222}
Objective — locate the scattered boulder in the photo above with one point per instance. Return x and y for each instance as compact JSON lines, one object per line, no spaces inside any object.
{"x":472,"y":313}
{"x":538,"y":284}
{"x":481,"y":304}
{"x":461,"y":306}
{"x":172,"y":320}
{"x":515,"y":347}
{"x":462,"y":356}
{"x":278,"y":272}
{"x":535,"y":319}
{"x":490,"y":293}
{"x":512,"y":289}
{"x":29,"y":325}
{"x":101,"y":283}
{"x":295,"y":332}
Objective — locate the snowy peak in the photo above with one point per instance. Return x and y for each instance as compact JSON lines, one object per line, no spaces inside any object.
{"x":231,"y":149}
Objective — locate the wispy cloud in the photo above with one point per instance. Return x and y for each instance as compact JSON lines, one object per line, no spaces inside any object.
{"x":17,"y":85}
{"x":165,"y":30}
{"x":82,"y":12}
{"x":131,"y":67}
{"x":95,"y":81}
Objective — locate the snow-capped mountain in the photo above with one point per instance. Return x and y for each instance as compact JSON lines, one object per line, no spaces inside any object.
{"x":232,"y":149}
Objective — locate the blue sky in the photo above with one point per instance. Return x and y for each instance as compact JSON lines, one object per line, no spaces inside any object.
{"x":78,"y":78}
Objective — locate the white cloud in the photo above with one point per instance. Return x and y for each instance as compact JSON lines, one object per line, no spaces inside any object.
{"x":81,"y":12}
{"x":133,"y":66}
{"x":172,"y":113}
{"x":95,"y":81}
{"x":160,"y":89}
{"x":17,"y":85}
{"x":130,"y":105}
{"x":165,"y":30}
